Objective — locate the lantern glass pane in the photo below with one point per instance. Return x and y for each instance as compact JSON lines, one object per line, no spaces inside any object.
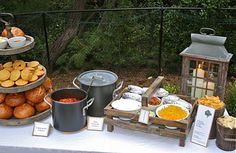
{"x":202,"y":78}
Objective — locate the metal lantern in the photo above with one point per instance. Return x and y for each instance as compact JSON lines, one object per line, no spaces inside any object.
{"x":205,"y":65}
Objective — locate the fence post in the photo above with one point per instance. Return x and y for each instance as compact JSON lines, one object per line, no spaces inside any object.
{"x":160,"y":42}
{"x":46,"y":38}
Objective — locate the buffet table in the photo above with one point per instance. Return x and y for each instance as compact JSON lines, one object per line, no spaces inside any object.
{"x":19,"y":139}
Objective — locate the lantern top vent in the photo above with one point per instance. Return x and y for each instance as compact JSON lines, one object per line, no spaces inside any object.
{"x":207,"y":46}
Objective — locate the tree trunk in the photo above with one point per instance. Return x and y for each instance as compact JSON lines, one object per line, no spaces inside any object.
{"x":69,"y":34}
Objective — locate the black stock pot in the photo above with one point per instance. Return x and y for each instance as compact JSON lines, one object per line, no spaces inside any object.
{"x":100,"y":85}
{"x":69,"y":117}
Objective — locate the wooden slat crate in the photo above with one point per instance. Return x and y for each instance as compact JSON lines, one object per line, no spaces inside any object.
{"x":156,"y":125}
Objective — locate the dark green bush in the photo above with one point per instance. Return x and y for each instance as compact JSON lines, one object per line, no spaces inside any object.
{"x":231,"y":100}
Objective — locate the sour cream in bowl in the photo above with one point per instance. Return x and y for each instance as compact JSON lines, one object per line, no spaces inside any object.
{"x":18,"y":41}
{"x":3,"y":42}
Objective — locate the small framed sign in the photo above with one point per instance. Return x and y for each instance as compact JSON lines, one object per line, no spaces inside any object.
{"x":144,"y":116}
{"x":41,"y":129}
{"x":95,"y":123}
{"x":202,"y":125}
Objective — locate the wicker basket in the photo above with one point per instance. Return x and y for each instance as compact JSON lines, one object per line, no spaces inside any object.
{"x":225,"y":138}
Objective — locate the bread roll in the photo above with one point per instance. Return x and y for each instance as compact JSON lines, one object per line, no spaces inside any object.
{"x":36,"y":95}
{"x":2,"y":97}
{"x":30,"y":102}
{"x":40,"y":107}
{"x":24,"y":111}
{"x":15,"y":32}
{"x":47,"y":84}
{"x":5,"y":111}
{"x":15,"y":99}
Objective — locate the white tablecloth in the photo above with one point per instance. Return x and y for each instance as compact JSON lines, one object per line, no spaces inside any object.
{"x":20,"y":140}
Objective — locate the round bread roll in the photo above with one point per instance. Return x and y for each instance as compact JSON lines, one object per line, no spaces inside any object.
{"x":23,"y":111}
{"x":40,"y":107}
{"x":7,"y":64}
{"x":15,"y":75}
{"x":4,"y":75}
{"x":2,"y":97}
{"x":10,"y":69}
{"x":26,"y":74}
{"x":15,"y":32}
{"x":47,"y":84}
{"x":49,"y":91}
{"x":39,"y":72}
{"x":33,"y":64}
{"x":35,"y":95}
{"x":34,"y":78}
{"x":15,"y":99}
{"x":7,"y":83}
{"x":5,"y":111}
{"x":30,"y":102}
{"x":21,"y":82}
{"x":19,"y":64}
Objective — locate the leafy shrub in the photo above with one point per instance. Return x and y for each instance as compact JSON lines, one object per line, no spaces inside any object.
{"x":173,"y":89}
{"x":231,"y":100}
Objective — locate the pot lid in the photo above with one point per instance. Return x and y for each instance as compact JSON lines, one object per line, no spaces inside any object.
{"x":97,"y":78}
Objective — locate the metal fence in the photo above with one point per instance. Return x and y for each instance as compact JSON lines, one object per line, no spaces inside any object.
{"x":44,"y":20}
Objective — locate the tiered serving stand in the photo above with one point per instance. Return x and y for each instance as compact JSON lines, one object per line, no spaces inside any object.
{"x":13,"y":52}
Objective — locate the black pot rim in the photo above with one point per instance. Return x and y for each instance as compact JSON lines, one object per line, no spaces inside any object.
{"x":69,"y":89}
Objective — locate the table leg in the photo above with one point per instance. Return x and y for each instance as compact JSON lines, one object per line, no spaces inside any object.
{"x":110,"y":127}
{"x":182,"y":142}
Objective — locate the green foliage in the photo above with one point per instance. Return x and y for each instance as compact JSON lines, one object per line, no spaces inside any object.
{"x":231,"y":100}
{"x":126,"y":39}
{"x":173,"y":89}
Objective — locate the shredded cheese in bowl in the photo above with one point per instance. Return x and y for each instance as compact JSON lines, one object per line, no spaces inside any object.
{"x":173,"y":112}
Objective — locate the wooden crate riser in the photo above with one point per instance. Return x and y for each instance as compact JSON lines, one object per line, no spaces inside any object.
{"x":147,"y":129}
{"x":158,"y":124}
{"x":157,"y":121}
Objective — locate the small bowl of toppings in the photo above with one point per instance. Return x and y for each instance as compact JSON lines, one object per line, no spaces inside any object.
{"x":3,"y":42}
{"x":15,"y":42}
{"x":154,"y":102}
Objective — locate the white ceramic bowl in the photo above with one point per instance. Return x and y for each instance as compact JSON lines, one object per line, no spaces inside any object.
{"x":18,"y":41}
{"x":3,"y":42}
{"x":167,"y":105}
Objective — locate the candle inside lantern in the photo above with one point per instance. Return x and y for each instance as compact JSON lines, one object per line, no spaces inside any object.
{"x":209,"y":85}
{"x":197,"y":82}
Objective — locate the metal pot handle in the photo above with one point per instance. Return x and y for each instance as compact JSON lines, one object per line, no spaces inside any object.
{"x":89,"y":103}
{"x":119,"y":86}
{"x":75,"y":85}
{"x":45,"y":100}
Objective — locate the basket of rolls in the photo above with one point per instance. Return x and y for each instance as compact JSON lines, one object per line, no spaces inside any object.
{"x":25,"y":107}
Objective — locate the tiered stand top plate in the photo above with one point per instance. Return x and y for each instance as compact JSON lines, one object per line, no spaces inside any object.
{"x":25,"y":87}
{"x":12,"y":51}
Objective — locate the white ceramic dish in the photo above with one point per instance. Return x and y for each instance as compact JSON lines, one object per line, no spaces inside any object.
{"x":126,"y":105}
{"x":167,"y":105}
{"x":3,"y":42}
{"x":16,"y":42}
{"x":173,"y":99}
